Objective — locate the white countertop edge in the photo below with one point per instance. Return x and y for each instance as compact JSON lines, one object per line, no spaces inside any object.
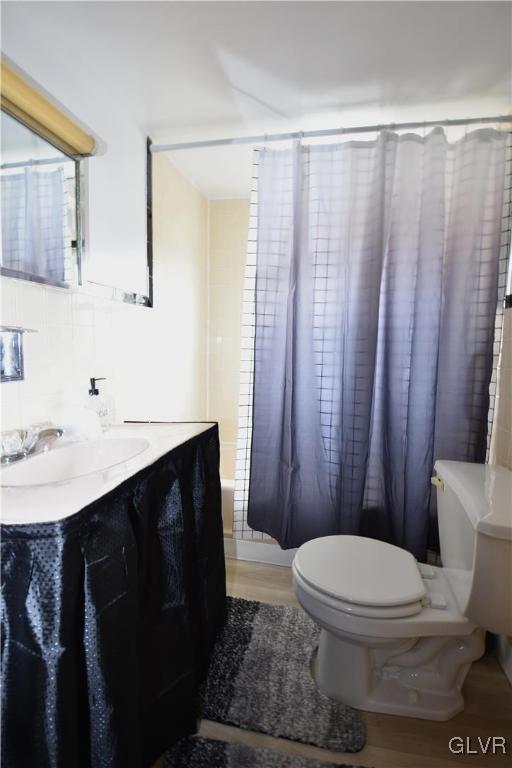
{"x":50,"y":503}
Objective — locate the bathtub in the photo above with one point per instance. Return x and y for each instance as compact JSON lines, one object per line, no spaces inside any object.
{"x":267,"y":551}
{"x":228,"y":499}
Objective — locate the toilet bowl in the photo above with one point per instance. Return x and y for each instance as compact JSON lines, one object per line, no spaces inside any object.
{"x":398,"y":636}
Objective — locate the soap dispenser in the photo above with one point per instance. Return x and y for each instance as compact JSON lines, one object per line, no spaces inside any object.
{"x":99,"y":404}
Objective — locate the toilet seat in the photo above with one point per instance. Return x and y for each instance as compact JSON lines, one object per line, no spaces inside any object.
{"x":361,"y":576}
{"x":389,"y":640}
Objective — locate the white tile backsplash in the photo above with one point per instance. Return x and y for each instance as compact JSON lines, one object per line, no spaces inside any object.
{"x":82,"y":355}
{"x":10,"y":405}
{"x":58,"y":306}
{"x":9,"y":309}
{"x":35,"y":353}
{"x":149,"y":356}
{"x":83,"y":309}
{"x":31,"y":304}
{"x":73,"y":342}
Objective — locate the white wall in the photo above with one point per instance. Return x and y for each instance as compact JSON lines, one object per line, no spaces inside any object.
{"x":154,"y":359}
{"x":180,"y":221}
{"x":116,"y":231}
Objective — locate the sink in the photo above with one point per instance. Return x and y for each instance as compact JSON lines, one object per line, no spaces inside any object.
{"x":67,"y":462}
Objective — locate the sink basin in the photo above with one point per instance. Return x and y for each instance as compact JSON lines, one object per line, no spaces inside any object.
{"x":70,"y":461}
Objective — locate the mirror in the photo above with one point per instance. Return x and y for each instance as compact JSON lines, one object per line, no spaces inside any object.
{"x":40,"y":208}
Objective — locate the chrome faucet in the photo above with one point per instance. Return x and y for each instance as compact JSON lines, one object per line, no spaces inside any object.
{"x":18,"y":444}
{"x":45,"y":439}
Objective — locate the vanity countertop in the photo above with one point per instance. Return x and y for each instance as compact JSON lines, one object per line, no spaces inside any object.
{"x":48,"y":503}
{"x":113,"y":594}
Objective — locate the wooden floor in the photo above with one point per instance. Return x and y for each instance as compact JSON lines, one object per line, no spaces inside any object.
{"x":392,"y":742}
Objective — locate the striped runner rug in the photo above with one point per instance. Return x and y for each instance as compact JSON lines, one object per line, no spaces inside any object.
{"x":196,"y":752}
{"x":259,"y":679}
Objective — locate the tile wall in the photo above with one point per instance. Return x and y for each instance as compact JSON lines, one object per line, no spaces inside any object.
{"x":228,"y":226}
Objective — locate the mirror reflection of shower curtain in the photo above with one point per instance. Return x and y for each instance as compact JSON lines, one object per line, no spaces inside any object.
{"x":34,"y":223}
{"x":375,"y":303}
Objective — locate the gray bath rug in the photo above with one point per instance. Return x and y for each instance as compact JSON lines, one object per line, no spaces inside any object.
{"x":197,"y":752}
{"x":259,"y":679}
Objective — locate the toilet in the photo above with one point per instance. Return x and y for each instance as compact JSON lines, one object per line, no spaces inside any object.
{"x":398,"y":636}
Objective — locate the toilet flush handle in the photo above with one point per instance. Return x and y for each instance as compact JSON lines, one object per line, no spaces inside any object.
{"x":438,"y":482}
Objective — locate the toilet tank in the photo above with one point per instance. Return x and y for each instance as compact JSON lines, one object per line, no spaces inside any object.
{"x":474,"y":503}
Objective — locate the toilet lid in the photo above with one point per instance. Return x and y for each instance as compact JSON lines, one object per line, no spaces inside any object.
{"x":360,"y":571}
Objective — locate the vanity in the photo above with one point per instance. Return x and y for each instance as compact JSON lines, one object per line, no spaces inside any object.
{"x":113,"y":593}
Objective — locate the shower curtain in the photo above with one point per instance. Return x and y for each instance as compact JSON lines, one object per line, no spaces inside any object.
{"x":375,"y":302}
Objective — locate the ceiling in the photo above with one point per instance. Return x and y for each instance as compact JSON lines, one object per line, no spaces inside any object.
{"x":207,"y":69}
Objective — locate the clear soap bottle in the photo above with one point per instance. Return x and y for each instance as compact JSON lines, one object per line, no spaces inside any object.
{"x":99,"y":403}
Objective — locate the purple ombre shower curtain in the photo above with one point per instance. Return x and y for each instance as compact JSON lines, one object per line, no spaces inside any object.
{"x":376,"y":295}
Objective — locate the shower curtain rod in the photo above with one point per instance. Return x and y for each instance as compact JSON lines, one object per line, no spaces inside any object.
{"x":264,"y":138}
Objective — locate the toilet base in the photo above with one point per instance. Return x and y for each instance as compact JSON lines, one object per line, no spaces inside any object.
{"x":413,"y":677}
